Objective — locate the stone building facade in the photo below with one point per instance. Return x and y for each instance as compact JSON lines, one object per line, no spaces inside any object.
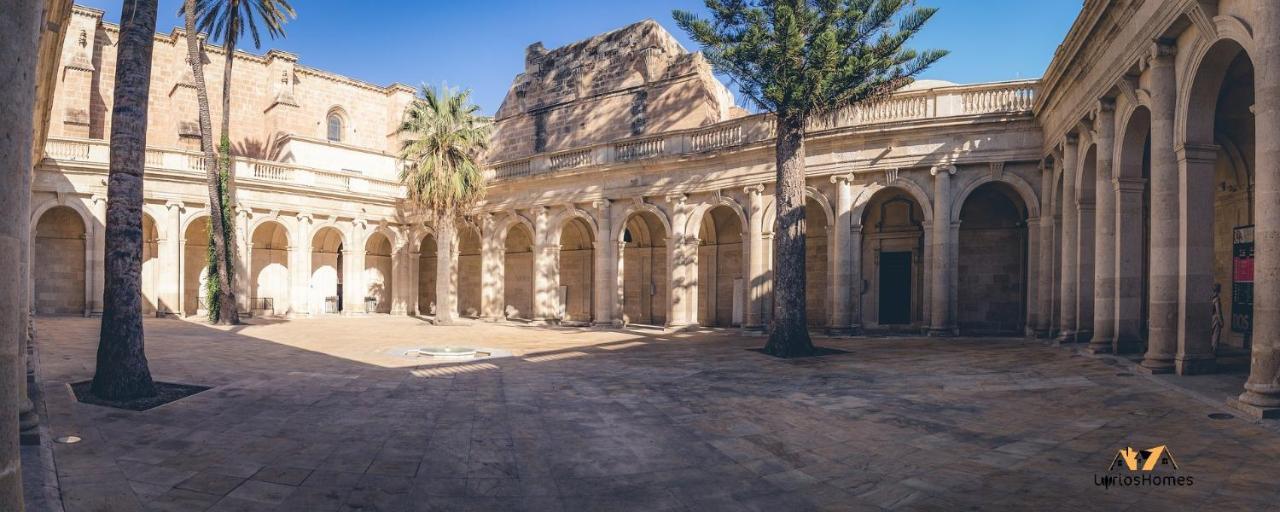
{"x":1101,"y":204}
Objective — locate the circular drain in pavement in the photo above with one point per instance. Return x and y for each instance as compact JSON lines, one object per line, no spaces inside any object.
{"x":447,"y":352}
{"x":1221,"y":416}
{"x":67,"y":440}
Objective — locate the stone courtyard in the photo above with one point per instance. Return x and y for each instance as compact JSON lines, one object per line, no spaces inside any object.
{"x":320,"y":414}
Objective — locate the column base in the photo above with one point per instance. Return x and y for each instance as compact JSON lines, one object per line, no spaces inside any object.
{"x":846,"y":331}
{"x":939,"y":333}
{"x":612,"y":324}
{"x":1100,"y":346}
{"x":1084,"y":337}
{"x":1124,"y":345}
{"x":1195,"y":365}
{"x":1156,"y":366}
{"x":1065,"y":337}
{"x":1254,"y":411}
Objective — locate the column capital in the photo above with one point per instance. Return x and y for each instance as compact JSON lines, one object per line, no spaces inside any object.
{"x":1070,"y":139}
{"x":890,"y":175}
{"x":601,"y":204}
{"x":1104,"y":106}
{"x":942,"y":169}
{"x":855,"y":228}
{"x":1129,"y":185}
{"x":1196,"y":153}
{"x":753,"y":190}
{"x":96,"y":199}
{"x":842,"y":179}
{"x":171,"y":205}
{"x":677,"y":200}
{"x":304,"y":218}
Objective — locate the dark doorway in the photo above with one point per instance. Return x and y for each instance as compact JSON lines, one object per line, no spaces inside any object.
{"x":895,"y":288}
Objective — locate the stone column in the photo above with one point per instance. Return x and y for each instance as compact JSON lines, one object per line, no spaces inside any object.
{"x":19,"y":39}
{"x":400,"y":275}
{"x":169,"y":281}
{"x":1128,"y":264}
{"x":619,"y":281}
{"x":1044,"y":299}
{"x":1084,"y":267}
{"x":97,"y":256}
{"x":300,"y":253}
{"x":842,"y":246}
{"x":546,"y":270}
{"x":1070,"y":237}
{"x":940,"y":321}
{"x":1196,"y":190}
{"x":1104,"y":249}
{"x":353,"y":271}
{"x":1034,"y":271}
{"x":244,"y":262}
{"x":492,"y":272}
{"x":856,"y":281}
{"x":605,"y":280}
{"x":755,"y":250}
{"x":1162,"y":338}
{"x":1263,"y":388}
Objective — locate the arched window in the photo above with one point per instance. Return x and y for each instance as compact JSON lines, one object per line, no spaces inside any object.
{"x":335,"y":127}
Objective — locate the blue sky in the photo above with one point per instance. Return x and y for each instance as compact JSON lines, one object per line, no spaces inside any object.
{"x":480,"y":44}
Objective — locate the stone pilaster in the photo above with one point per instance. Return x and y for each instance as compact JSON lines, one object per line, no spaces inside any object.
{"x":941,"y":320}
{"x":243,"y":259}
{"x":1084,"y":267}
{"x":353,"y":270}
{"x":1070,"y":236}
{"x":856,"y":281}
{"x":1162,"y":337}
{"x":1034,"y":271}
{"x":400,"y":264}
{"x":755,"y":276}
{"x":1262,"y":391}
{"x":619,"y":282}
{"x":1104,"y":250}
{"x":1128,"y":264}
{"x":1195,"y":258}
{"x":546,"y":274}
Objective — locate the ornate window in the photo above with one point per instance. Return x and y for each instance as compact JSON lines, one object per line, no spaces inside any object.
{"x":334,"y":123}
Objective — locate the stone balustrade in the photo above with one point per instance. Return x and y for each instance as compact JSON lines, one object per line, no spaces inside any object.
{"x":246,"y":170}
{"x":1001,"y":98}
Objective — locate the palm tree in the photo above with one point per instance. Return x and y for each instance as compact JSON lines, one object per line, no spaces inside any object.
{"x":222,"y":305}
{"x":798,"y":59}
{"x":228,"y":21}
{"x":444,"y":137}
{"x":122,"y":372}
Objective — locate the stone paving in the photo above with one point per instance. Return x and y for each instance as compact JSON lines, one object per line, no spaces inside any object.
{"x":314,"y":415}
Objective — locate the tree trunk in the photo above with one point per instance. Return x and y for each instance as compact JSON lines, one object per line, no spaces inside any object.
{"x":217,"y":223}
{"x":789,"y":330}
{"x":227,"y":303}
{"x":446,"y":269}
{"x":122,"y":372}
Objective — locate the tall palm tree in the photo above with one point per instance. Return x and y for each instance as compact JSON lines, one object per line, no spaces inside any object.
{"x":443,"y":140}
{"x":222,"y":300}
{"x":798,"y":59}
{"x":122,"y":372}
{"x":227,"y":21}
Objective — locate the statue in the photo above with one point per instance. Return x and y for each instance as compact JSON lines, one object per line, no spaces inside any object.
{"x":1215,"y":309}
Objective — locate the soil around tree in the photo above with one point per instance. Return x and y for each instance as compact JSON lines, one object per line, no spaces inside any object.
{"x":166,"y":392}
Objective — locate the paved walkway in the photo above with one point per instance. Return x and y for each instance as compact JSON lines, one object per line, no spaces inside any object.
{"x":318,"y":415}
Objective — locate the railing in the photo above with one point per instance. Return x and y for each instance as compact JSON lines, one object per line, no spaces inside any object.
{"x":571,"y":159}
{"x":716,"y":138}
{"x":175,"y":160}
{"x":913,"y":105}
{"x":67,"y":150}
{"x":639,"y":149}
{"x":266,"y":171}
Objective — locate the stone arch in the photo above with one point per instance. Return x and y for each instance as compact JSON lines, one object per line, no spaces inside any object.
{"x":638,"y":207}
{"x":819,"y":253}
{"x":1217,"y":151}
{"x":195,"y":263}
{"x":425,"y":245}
{"x":470,"y":261}
{"x":993,"y":260}
{"x":270,"y":245}
{"x":150,"y":263}
{"x":893,"y":221}
{"x":328,"y":242}
{"x":379,"y":276}
{"x":813,"y":193}
{"x":518,"y":240}
{"x":643,"y":233}
{"x":61,"y":259}
{"x":560,"y":219}
{"x":908,"y":187}
{"x":1025,"y":192}
{"x":1132,"y":171}
{"x":575,"y":233}
{"x":722,"y":262}
{"x":699,"y":211}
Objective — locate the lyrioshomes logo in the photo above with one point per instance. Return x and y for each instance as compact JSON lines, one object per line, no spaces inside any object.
{"x":1153,"y":467}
